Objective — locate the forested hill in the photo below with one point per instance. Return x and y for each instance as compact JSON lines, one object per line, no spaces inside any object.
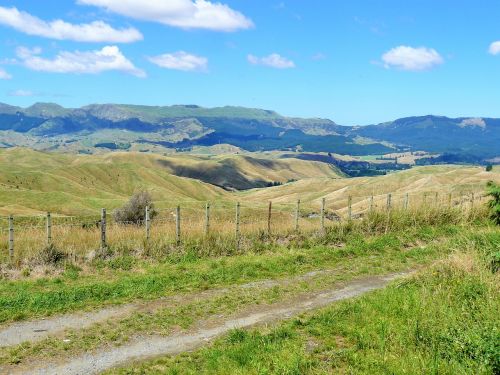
{"x":50,"y":126}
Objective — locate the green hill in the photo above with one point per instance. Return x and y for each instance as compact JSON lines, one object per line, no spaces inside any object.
{"x":33,"y":182}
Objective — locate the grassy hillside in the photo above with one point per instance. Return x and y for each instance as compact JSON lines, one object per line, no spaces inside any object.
{"x":416,"y":181}
{"x":34,"y":182}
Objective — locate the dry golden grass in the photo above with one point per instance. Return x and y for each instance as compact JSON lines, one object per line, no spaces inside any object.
{"x":80,"y":238}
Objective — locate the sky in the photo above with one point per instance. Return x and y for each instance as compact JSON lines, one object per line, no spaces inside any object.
{"x":354,"y":61}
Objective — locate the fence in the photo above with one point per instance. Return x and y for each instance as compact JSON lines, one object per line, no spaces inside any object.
{"x":22,"y":236}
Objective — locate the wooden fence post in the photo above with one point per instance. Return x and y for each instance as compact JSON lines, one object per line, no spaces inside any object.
{"x":425,"y":199}
{"x":407,"y":201}
{"x":207,"y":219}
{"x":436,"y":199}
{"x":297,"y":215}
{"x":371,"y":204}
{"x":11,"y":238}
{"x":323,"y":203}
{"x":178,"y":225}
{"x":237,"y":231}
{"x":147,"y":223}
{"x":472,"y":201}
{"x":349,"y":208}
{"x":449,"y":200}
{"x":389,"y":201}
{"x":103,"y":229}
{"x":49,"y":229}
{"x":269,"y":213}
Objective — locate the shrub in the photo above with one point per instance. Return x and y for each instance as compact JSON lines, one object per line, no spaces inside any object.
{"x":489,"y":168}
{"x":50,"y":255}
{"x":134,"y":212}
{"x":494,"y":203}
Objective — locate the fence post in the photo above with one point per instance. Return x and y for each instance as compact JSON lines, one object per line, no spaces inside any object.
{"x":147,"y":222}
{"x":472,"y":201}
{"x":407,"y":201}
{"x":436,"y":199}
{"x":323,"y":203}
{"x":237,"y":232}
{"x":425,"y":199}
{"x":349,"y":208}
{"x":389,"y":201}
{"x":178,"y":225}
{"x":371,"y":204}
{"x":49,"y":229}
{"x":449,"y":200}
{"x":207,"y":219}
{"x":103,"y":229}
{"x":11,"y":238}
{"x":269,"y":213}
{"x":297,"y":214}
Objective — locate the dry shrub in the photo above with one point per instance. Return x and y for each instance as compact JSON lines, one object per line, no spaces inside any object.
{"x":134,"y":212}
{"x":49,"y":255}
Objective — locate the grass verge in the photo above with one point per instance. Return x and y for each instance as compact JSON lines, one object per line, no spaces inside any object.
{"x":443,"y":321}
{"x":125,"y":278}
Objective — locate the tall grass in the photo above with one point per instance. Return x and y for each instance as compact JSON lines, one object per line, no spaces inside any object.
{"x":80,"y":241}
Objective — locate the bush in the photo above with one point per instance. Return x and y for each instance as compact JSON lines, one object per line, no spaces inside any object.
{"x":50,"y":255}
{"x":134,"y":212}
{"x":494,"y":203}
{"x":489,"y":168}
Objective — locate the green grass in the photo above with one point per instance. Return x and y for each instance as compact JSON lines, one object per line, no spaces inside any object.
{"x":442,"y":321}
{"x":360,"y":256}
{"x":124,"y":277}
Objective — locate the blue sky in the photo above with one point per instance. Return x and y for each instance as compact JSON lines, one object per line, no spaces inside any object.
{"x":355,"y":62}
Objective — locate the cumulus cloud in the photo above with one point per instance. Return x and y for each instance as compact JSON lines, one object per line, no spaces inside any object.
{"x":412,"y":59}
{"x":180,"y":61}
{"x":4,"y":74}
{"x":88,"y":62}
{"x":188,"y":14}
{"x":96,"y":31}
{"x":21,"y":93}
{"x":274,"y":60}
{"x":495,"y":48}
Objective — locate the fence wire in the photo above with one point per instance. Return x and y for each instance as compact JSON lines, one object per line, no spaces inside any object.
{"x":23,"y":236}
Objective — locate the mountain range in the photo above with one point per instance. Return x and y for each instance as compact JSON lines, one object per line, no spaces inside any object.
{"x":49,"y":126}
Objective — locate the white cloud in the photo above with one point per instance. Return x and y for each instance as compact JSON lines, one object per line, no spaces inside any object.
{"x":89,"y":62}
{"x":495,"y":48}
{"x":181,"y":61}
{"x":273,"y":60}
{"x":412,"y":59}
{"x":4,"y":74}
{"x":21,"y":93}
{"x":96,"y":31}
{"x":188,"y":14}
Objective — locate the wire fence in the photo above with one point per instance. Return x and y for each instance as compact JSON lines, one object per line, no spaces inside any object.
{"x":22,"y":237}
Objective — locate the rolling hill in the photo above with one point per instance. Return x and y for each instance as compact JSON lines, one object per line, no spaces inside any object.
{"x":445,"y":179}
{"x":34,"y":182}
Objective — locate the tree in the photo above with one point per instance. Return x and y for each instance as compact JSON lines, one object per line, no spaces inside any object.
{"x":134,"y":212}
{"x":493,"y":191}
{"x":489,"y":168}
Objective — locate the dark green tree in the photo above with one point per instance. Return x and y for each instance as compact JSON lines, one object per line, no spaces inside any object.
{"x":494,"y":203}
{"x":489,"y":168}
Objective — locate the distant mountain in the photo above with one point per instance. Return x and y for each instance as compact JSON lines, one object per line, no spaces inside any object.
{"x":479,"y":137}
{"x":49,"y":126}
